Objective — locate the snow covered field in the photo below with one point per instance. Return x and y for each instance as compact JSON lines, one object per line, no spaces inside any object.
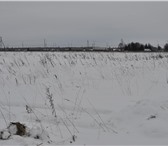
{"x":80,"y":98}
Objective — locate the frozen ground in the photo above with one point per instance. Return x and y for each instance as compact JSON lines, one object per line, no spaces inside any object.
{"x":85,"y":98}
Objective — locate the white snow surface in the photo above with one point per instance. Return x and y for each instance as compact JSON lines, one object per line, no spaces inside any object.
{"x":82,"y":98}
{"x":12,"y":129}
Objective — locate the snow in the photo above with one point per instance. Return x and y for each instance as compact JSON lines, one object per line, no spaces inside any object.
{"x":5,"y":134}
{"x":12,"y":129}
{"x":39,"y":133}
{"x":83,"y":98}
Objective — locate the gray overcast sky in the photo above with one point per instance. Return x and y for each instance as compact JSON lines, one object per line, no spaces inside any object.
{"x":66,"y":23}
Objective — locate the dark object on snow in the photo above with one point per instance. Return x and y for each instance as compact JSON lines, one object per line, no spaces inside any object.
{"x":37,"y":137}
{"x":152,"y":117}
{"x":21,"y":129}
{"x":28,"y":109}
{"x":73,"y":138}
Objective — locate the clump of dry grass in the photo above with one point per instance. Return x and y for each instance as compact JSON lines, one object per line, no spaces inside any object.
{"x":51,"y":101}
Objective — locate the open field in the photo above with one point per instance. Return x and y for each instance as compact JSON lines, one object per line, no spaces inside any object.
{"x":85,"y":97}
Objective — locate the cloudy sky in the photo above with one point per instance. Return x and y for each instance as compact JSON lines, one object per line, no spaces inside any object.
{"x":73,"y":23}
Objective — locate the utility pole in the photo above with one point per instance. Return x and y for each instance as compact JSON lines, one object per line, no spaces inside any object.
{"x":87,"y":43}
{"x":45,"y":44}
{"x":22,"y":45}
{"x":93,"y":44}
{"x":1,"y":43}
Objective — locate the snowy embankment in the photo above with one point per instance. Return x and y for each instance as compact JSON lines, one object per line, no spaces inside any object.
{"x":85,"y":98}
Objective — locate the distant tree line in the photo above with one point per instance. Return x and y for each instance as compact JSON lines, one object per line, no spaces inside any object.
{"x":138,"y":47}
